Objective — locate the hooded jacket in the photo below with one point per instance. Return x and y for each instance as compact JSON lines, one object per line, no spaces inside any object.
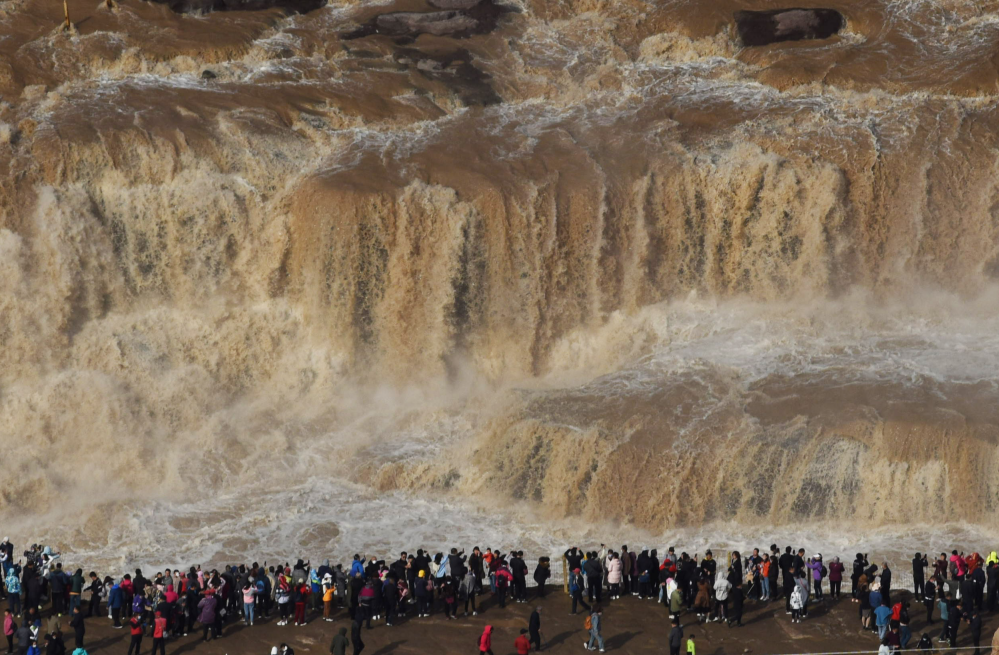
{"x":486,"y":640}
{"x":340,"y":643}
{"x":614,"y":570}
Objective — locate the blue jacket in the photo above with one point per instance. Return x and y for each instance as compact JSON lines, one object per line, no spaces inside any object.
{"x":875,"y":599}
{"x":115,"y":598}
{"x":357,"y":567}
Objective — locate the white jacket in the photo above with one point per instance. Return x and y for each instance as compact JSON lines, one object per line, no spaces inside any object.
{"x":796,"y":599}
{"x":722,"y":587}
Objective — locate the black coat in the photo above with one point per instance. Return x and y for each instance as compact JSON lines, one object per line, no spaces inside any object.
{"x":735,"y":601}
{"x":355,"y":634}
{"x":534,"y":625}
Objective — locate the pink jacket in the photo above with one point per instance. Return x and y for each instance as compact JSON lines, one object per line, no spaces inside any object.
{"x":8,"y":625}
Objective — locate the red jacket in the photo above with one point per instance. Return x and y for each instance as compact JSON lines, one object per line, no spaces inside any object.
{"x":159,"y":628}
{"x":523,"y":645}
{"x":136,"y":626}
{"x":486,"y":640}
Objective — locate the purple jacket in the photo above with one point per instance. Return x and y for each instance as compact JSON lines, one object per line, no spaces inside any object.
{"x":207,"y":606}
{"x":816,"y":569}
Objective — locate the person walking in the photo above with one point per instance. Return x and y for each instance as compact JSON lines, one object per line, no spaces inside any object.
{"x":595,"y":627}
{"x":576,"y":583}
{"x":522,"y":644}
{"x":355,"y":634}
{"x":486,"y":641}
{"x":340,"y":643}
{"x":534,"y":627}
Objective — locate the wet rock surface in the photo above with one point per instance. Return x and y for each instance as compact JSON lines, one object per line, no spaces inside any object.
{"x":757,"y":28}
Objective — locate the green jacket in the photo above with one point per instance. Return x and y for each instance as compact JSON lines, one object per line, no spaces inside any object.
{"x":340,"y":643}
{"x":676,"y":602}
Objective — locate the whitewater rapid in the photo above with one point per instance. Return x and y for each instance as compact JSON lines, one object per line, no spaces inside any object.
{"x":595,"y":272}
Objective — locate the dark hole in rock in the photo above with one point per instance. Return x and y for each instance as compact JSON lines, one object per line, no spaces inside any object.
{"x":764,"y":27}
{"x":405,"y":26}
{"x":455,"y":71}
{"x":208,"y":75}
{"x":205,"y":6}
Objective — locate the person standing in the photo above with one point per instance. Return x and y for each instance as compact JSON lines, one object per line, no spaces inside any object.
{"x":859,"y":566}
{"x":534,"y":627}
{"x":835,"y":577}
{"x":975,"y":627}
{"x":9,"y":628}
{"x":541,"y":574}
{"x":886,"y":583}
{"x":595,"y":630}
{"x":675,"y":637}
{"x":735,"y":602}
{"x":135,"y":645}
{"x":79,"y":629}
{"x":904,"y":633}
{"x":96,"y":588}
{"x":722,"y":589}
{"x":159,"y":633}
{"x":13,"y":584}
{"x":919,"y":565}
{"x":929,"y":598}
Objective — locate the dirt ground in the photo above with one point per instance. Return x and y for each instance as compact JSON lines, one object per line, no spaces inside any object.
{"x":630,"y":626}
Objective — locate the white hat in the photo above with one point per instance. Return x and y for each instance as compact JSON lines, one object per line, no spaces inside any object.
{"x":274,"y":651}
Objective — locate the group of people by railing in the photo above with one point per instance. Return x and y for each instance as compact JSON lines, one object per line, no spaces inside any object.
{"x":170,"y":602}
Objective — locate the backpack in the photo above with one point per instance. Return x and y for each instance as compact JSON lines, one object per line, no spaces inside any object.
{"x":138,"y":605}
{"x":824,"y":572}
{"x":588,"y":623}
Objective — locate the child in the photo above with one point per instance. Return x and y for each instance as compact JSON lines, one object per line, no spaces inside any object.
{"x":690,"y":645}
{"x":328,"y":591}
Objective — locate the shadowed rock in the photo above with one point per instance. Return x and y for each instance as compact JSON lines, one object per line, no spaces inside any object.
{"x":764,"y":27}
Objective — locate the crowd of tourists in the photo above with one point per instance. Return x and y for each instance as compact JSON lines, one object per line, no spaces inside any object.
{"x":170,"y":603}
